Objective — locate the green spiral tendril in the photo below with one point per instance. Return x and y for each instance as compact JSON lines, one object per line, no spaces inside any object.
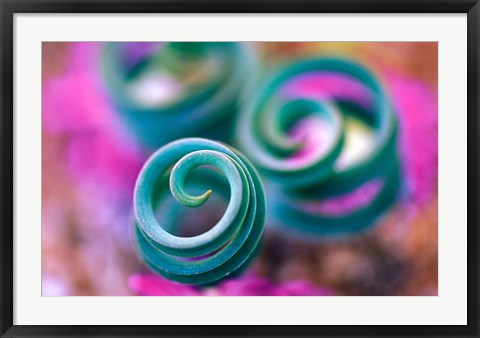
{"x":202,"y":108}
{"x":224,"y":249}
{"x":262,"y":133}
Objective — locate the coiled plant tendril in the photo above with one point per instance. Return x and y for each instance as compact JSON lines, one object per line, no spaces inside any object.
{"x":300,"y":187}
{"x":176,"y":89}
{"x":223,"y":250}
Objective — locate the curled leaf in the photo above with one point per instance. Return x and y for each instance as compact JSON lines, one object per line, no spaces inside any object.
{"x":305,"y":176}
{"x":230,"y":244}
{"x":176,"y":89}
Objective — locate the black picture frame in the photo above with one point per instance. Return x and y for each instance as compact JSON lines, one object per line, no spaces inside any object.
{"x":9,"y":8}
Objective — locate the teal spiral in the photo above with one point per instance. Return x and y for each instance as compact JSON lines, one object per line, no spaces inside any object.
{"x":225,"y":249}
{"x":201,"y":84}
{"x":262,"y":134}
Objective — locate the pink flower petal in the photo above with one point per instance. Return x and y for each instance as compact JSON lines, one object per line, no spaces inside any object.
{"x":417,"y":108}
{"x":303,"y":288}
{"x":75,"y":105}
{"x":152,"y":285}
{"x":250,"y":286}
{"x":247,"y":285}
{"x":326,"y":85}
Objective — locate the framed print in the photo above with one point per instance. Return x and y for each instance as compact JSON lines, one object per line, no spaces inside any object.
{"x":240,"y":169}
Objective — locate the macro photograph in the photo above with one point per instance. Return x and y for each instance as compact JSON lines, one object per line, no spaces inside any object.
{"x":239,"y":168}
